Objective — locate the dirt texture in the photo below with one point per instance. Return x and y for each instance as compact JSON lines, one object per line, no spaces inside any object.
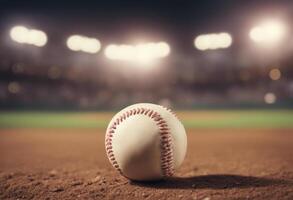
{"x":220,"y":164}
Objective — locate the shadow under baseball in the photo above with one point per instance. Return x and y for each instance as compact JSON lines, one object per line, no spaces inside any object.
{"x":216,"y":181}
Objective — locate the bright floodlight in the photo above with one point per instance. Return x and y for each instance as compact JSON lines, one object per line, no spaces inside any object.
{"x":163,"y":49}
{"x":37,"y":38}
{"x":143,"y":53}
{"x":213,"y":41}
{"x":19,"y":34}
{"x":22,"y":34}
{"x":83,"y":43}
{"x":74,"y":43}
{"x":268,"y":33}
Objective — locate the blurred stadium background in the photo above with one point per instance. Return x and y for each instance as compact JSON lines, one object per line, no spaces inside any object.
{"x":224,"y":66}
{"x":104,"y":56}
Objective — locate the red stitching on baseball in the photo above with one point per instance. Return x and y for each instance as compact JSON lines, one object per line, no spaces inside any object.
{"x":167,"y":163}
{"x":168,"y":109}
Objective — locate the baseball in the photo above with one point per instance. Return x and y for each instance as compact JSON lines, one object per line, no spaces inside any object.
{"x":145,"y":142}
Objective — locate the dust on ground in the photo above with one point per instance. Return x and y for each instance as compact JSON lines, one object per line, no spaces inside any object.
{"x":220,"y":164}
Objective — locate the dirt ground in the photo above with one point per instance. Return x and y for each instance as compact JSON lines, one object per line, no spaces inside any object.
{"x":220,"y":164}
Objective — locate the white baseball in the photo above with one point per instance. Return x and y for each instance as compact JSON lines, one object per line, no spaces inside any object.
{"x":145,"y":142}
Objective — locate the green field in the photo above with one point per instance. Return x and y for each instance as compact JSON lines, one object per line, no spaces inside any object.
{"x":191,"y":119}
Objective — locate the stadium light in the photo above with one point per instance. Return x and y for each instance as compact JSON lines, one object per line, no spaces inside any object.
{"x":83,"y":43}
{"x":21,"y":34}
{"x":270,"y":32}
{"x":213,"y":41}
{"x":143,"y":53}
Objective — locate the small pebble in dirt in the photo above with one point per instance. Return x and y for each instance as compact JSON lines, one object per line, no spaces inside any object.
{"x":75,"y":183}
{"x":206,"y":198}
{"x":57,"y":189}
{"x":53,"y":173}
{"x":180,"y":196}
{"x":88,"y":183}
{"x":96,"y":179}
{"x":145,"y":195}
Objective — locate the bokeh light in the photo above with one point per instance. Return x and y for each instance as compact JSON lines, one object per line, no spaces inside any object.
{"x":270,"y":98}
{"x":213,"y":41}
{"x":14,"y":87}
{"x":143,"y":53}
{"x":19,"y":34}
{"x":275,"y":74}
{"x":74,"y":43}
{"x":37,"y":38}
{"x":268,"y":33}
{"x":34,"y":37}
{"x":163,"y":49}
{"x":83,"y":43}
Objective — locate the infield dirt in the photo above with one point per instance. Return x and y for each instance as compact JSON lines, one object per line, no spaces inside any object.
{"x":220,"y":164}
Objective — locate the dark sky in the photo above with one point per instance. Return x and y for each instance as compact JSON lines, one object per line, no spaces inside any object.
{"x":173,"y":20}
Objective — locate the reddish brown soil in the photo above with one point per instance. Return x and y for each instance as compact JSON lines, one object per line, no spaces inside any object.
{"x":220,"y":164}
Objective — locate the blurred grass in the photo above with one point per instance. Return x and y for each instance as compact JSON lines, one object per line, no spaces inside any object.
{"x":190,"y":119}
{"x":47,"y":120}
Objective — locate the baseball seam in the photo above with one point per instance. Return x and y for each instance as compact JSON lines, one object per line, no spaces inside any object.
{"x":167,"y":161}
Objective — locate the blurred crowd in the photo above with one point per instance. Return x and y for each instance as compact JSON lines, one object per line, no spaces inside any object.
{"x":181,"y":83}
{"x":107,"y":55}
